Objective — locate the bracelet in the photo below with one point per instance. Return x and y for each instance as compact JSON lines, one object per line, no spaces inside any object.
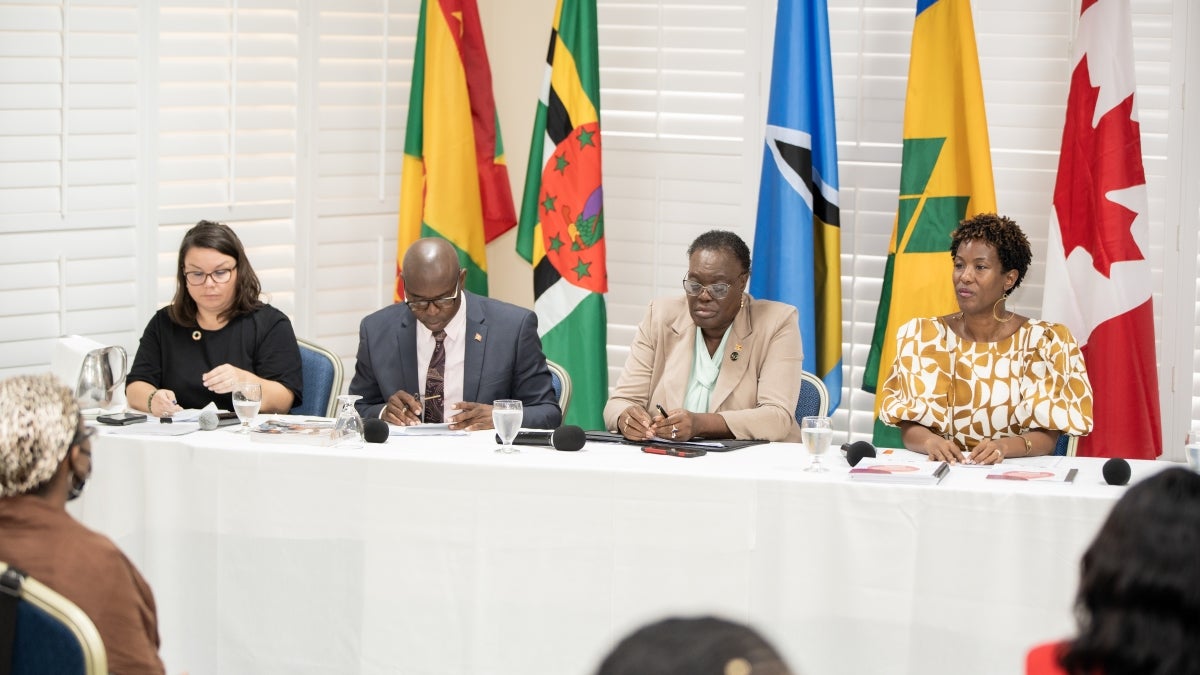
{"x":150,"y":402}
{"x":1028,"y":446}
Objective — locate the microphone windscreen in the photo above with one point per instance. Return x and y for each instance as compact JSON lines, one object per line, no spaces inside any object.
{"x":1116,"y":471}
{"x":857,"y":450}
{"x":568,"y":437}
{"x":375,"y":430}
{"x":208,"y":420}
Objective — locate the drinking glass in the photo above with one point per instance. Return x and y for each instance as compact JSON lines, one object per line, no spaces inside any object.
{"x":247,"y":398}
{"x":1191,"y":448}
{"x":506,"y":417}
{"x":348,"y":429}
{"x":817,"y":434}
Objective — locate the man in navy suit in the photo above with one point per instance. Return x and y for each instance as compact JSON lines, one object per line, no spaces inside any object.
{"x":486,"y":350}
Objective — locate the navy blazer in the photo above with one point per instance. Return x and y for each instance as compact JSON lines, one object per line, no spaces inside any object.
{"x":504,"y":359}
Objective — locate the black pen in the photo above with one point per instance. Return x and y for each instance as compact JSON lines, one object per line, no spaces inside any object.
{"x":661,"y":410}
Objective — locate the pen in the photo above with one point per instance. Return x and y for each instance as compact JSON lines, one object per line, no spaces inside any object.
{"x":661,"y":410}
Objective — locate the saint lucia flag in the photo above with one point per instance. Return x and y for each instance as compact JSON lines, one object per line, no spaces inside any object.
{"x":455,"y":182}
{"x":797,"y":242}
{"x":562,"y":213}
{"x":945,"y":176}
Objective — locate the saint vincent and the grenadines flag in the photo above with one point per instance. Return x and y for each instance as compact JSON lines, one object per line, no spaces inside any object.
{"x":945,"y":176}
{"x":562,"y":212}
{"x":797,"y":241}
{"x":455,"y":182}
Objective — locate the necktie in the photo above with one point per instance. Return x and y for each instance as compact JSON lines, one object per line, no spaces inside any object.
{"x":434,"y":379}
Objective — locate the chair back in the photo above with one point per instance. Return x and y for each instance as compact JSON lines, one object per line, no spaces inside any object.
{"x":322,"y":370}
{"x":1065,"y":445}
{"x":561,"y":380}
{"x":50,"y":633}
{"x":814,"y":397}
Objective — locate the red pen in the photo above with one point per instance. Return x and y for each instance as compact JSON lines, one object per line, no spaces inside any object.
{"x":675,"y":452}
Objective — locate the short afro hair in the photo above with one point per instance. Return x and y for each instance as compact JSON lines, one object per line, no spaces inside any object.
{"x":1011,"y":244}
{"x":715,"y":240}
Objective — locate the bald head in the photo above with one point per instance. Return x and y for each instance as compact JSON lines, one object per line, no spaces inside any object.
{"x":431,"y":271}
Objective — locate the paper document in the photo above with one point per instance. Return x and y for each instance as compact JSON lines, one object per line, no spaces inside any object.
{"x":425,"y":430}
{"x":192,"y":414}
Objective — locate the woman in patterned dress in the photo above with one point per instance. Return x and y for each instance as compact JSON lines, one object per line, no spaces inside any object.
{"x":986,"y":383}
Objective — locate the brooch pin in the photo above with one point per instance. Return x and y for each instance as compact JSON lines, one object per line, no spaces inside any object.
{"x":196,"y":335}
{"x":478,"y":337}
{"x":737,"y":351}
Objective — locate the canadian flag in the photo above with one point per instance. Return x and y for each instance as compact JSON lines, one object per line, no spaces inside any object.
{"x":1097,"y":274}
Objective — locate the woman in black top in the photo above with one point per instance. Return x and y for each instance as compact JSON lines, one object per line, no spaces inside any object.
{"x":215,"y":333}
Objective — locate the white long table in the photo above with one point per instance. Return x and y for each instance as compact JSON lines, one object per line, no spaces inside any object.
{"x":438,"y":555}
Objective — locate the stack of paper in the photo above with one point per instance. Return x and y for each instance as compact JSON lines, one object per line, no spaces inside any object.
{"x":911,"y":472}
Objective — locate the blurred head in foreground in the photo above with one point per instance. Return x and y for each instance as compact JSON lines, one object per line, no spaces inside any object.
{"x":694,"y":646}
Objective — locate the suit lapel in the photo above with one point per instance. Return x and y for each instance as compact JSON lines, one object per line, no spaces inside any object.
{"x":406,"y":351}
{"x":678,"y":367}
{"x":473,"y":352}
{"x":733,"y":370}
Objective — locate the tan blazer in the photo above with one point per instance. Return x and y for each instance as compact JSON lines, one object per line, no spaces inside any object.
{"x":759,"y":383}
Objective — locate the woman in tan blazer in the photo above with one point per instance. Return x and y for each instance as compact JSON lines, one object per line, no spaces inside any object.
{"x":714,"y":363}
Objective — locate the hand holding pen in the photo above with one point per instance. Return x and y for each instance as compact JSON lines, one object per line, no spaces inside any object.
{"x":405,"y":409}
{"x":675,"y":425}
{"x":635,"y":424}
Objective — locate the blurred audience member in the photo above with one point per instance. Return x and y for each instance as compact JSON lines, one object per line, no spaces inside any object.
{"x":695,"y":646}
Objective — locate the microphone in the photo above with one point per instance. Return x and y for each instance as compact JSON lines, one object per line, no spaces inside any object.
{"x":208,"y":420}
{"x":857,"y":450}
{"x":568,"y":438}
{"x":375,"y":430}
{"x":1116,"y":471}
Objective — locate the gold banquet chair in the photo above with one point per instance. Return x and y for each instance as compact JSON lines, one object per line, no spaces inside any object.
{"x":561,"y":380}
{"x":43,"y":632}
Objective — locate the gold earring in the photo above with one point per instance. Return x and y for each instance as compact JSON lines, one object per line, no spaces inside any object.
{"x":1006,"y":319}
{"x":743,"y":301}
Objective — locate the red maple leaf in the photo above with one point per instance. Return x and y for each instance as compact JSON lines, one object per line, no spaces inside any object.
{"x":1093,"y":162}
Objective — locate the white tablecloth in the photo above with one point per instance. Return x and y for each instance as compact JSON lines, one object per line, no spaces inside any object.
{"x":438,"y":555}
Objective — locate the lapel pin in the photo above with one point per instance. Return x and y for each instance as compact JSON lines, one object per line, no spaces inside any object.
{"x":737,"y":351}
{"x":478,"y":337}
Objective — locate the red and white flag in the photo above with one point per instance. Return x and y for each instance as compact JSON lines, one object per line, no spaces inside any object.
{"x":1097,"y":272}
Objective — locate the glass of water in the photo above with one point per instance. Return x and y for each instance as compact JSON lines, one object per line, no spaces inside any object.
{"x":1191,"y":448}
{"x":506,"y":417}
{"x":247,"y":398}
{"x":348,"y":428}
{"x":817,"y":434}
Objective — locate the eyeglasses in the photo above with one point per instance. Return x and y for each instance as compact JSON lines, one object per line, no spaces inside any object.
{"x":441,"y":303}
{"x":717,"y":291}
{"x":201,"y":278}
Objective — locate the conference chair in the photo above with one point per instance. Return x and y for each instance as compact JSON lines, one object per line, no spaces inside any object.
{"x":322,"y":370}
{"x":1066,"y":445}
{"x":814,"y":397}
{"x":561,"y":380}
{"x":43,"y":632}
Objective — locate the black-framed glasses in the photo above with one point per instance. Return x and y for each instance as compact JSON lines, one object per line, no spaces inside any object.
{"x":221,"y":276}
{"x":441,"y":303}
{"x":717,"y":291}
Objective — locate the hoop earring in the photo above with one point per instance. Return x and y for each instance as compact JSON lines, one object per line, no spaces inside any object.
{"x":1011,"y":313}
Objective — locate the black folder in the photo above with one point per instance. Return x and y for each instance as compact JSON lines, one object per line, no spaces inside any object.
{"x":724,"y":445}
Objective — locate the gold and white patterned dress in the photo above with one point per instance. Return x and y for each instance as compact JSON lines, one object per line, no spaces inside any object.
{"x":1034,"y":379}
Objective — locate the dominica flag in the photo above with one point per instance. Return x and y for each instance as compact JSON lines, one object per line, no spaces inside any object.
{"x":1100,"y":238}
{"x":562,"y":212}
{"x":455,"y":182}
{"x":797,"y":241}
{"x":945,"y":176}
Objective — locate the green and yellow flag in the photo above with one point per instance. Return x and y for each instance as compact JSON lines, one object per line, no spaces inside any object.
{"x":455,"y":182}
{"x":562,"y":213}
{"x":945,"y":176}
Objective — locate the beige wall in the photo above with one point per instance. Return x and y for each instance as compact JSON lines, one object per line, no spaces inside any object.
{"x":516,"y":32}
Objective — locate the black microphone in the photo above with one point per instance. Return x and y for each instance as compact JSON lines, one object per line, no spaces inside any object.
{"x":1116,"y":471}
{"x":375,"y":430}
{"x":857,"y":450}
{"x":567,"y":437}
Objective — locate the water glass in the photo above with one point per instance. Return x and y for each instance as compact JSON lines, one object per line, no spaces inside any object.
{"x":348,"y":429}
{"x":817,"y":433}
{"x":506,"y":417}
{"x":1191,"y":449}
{"x":247,"y":399}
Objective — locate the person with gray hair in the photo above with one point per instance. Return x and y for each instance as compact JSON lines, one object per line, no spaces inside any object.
{"x":45,"y":460}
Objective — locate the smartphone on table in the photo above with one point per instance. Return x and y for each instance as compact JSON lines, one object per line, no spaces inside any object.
{"x":675,"y":452}
{"x":121,"y":419}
